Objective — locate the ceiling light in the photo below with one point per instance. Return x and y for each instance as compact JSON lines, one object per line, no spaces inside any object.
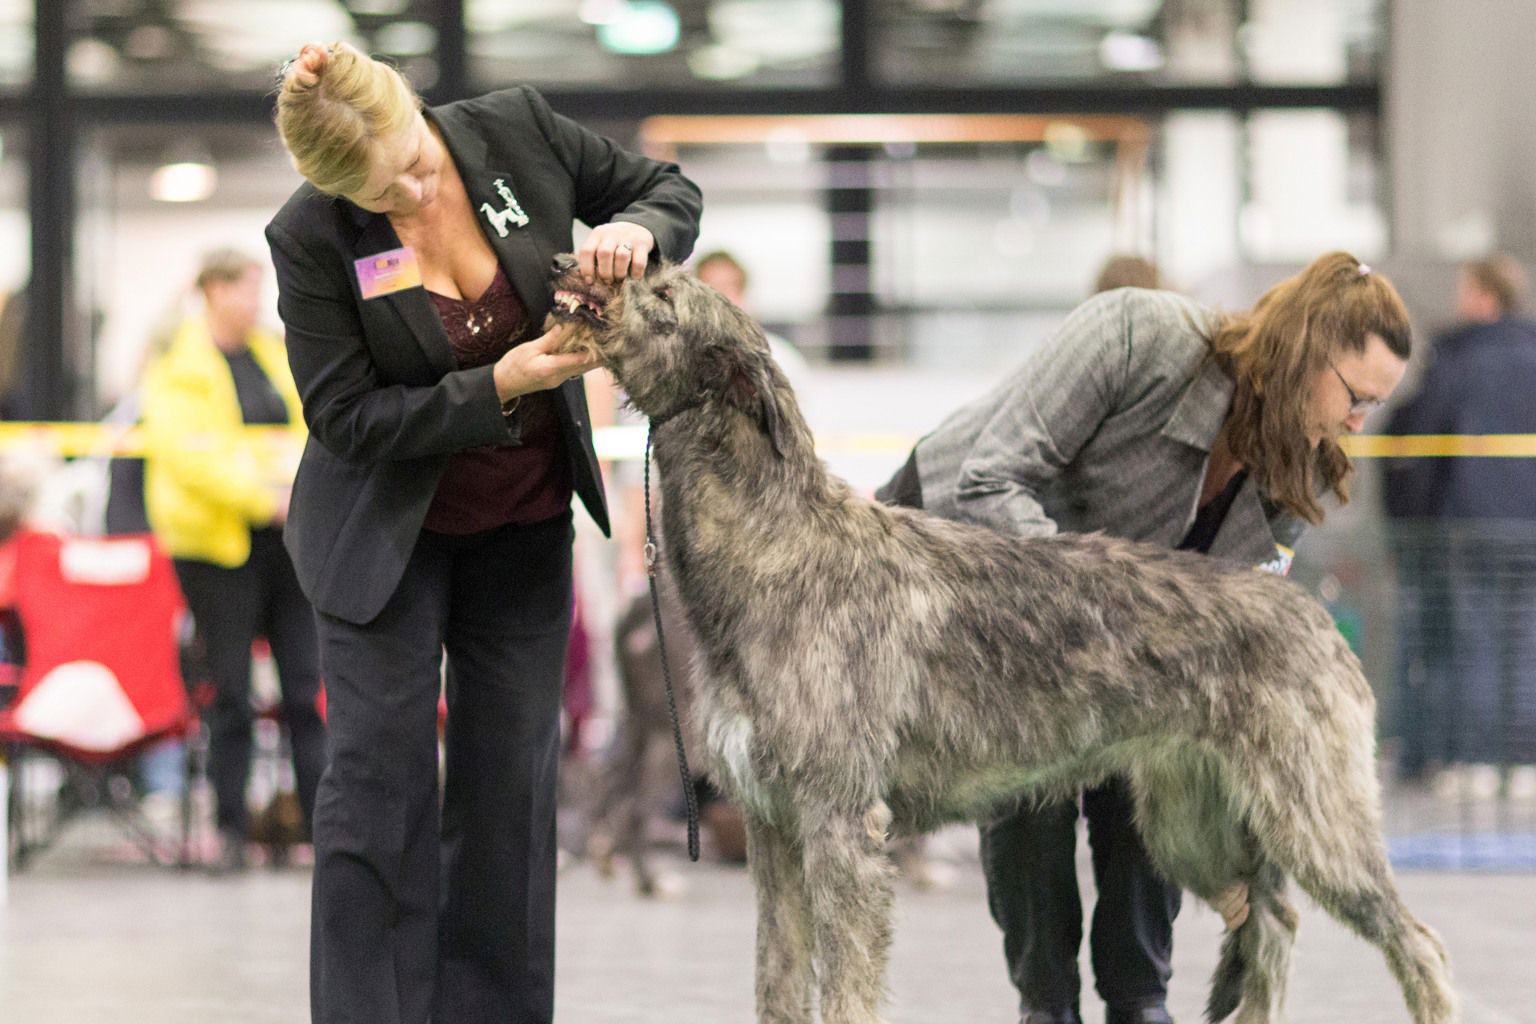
{"x":1067,"y":141}
{"x":186,"y":176}
{"x":643,"y":27}
{"x":1124,"y":51}
{"x":92,"y":61}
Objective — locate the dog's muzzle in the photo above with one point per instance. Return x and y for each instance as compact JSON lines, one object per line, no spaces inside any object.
{"x":575,"y":298}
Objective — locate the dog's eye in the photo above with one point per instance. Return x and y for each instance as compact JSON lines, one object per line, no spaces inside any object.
{"x":664,"y":293}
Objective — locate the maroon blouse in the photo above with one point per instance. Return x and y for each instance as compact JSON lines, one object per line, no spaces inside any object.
{"x":494,"y":485}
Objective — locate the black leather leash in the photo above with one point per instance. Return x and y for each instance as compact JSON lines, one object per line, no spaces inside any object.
{"x":690,"y":798}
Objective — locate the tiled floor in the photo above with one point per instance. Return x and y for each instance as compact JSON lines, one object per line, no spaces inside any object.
{"x":83,"y":940}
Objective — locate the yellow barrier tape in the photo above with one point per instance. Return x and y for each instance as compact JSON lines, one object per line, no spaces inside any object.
{"x":77,"y":440}
{"x":1399,"y":446}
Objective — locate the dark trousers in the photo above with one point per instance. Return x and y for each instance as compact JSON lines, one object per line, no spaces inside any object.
{"x":231,"y":608}
{"x":1425,"y":675}
{"x":1029,"y":859}
{"x":448,"y":916}
{"x":1491,"y":713}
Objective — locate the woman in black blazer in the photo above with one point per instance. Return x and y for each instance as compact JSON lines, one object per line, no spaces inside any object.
{"x":431,"y":513}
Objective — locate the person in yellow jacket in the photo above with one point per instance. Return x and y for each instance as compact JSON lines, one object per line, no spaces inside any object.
{"x":216,"y":492}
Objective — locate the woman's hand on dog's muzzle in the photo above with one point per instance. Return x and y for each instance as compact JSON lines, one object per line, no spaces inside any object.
{"x":538,"y":365}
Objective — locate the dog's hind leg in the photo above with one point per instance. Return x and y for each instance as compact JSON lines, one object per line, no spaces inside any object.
{"x":850,"y":883}
{"x":1349,"y":876}
{"x":1313,"y":808}
{"x":1196,"y":838}
{"x":785,"y":974}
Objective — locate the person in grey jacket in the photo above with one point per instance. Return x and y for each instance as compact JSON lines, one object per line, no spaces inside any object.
{"x":1151,"y":417}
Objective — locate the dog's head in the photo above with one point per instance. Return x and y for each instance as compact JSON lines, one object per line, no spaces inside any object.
{"x":672,"y":341}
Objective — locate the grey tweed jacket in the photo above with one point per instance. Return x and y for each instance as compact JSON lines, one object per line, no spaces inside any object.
{"x":1108,"y":427}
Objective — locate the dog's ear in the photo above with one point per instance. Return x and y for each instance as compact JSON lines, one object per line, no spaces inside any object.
{"x":748,"y":385}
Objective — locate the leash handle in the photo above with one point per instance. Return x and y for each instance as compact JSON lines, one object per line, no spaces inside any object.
{"x":690,"y":798}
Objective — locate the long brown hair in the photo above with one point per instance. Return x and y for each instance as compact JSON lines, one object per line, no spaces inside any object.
{"x":1274,"y":354}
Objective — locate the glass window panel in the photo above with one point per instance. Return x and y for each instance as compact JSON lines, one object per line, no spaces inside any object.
{"x":968,"y":42}
{"x":137,"y":255}
{"x":1199,"y":193}
{"x":979,"y":248}
{"x":17,"y":42}
{"x":766,"y":207}
{"x":976,"y":249}
{"x":1314,"y":185}
{"x":191,"y":45}
{"x":970,"y":246}
{"x":625,"y":44}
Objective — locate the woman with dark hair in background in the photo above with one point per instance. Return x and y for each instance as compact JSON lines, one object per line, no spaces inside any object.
{"x":1150,"y":417}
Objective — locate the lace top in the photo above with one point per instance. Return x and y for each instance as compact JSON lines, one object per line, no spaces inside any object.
{"x":495,"y":485}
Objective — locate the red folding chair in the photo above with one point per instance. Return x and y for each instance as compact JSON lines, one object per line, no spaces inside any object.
{"x":100,"y":676}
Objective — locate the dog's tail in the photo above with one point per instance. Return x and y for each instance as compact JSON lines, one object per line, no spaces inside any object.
{"x":1255,"y":957}
{"x":1196,"y":835}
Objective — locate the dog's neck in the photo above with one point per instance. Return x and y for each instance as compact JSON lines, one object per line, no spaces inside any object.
{"x":724,"y":484}
{"x":662,"y":418}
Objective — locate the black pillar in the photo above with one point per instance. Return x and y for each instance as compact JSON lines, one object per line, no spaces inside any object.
{"x":452,"y":56}
{"x":48,"y":387}
{"x":850,"y":202}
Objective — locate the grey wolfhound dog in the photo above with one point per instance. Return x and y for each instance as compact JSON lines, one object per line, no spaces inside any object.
{"x":862,"y":669}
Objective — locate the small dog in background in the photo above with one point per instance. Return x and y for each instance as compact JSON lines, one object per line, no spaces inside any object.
{"x":641,"y":777}
{"x":279,"y":827}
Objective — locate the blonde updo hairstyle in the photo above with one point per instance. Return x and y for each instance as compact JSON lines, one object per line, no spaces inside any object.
{"x":331,"y":119}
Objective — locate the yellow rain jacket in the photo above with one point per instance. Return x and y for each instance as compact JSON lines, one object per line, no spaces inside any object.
{"x":207,"y":480}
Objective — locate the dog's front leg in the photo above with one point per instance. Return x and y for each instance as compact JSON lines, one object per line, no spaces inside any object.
{"x":849,"y":881}
{"x":785,"y":978}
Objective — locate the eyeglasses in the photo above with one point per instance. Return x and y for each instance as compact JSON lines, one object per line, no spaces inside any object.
{"x":1357,"y":406}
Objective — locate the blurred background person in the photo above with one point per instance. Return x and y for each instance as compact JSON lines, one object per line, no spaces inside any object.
{"x":723,"y":272}
{"x":1124,"y":270}
{"x":1464,"y":533}
{"x":217,"y":497}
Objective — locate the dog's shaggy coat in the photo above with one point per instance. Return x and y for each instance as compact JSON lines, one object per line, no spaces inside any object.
{"x":863,"y":669}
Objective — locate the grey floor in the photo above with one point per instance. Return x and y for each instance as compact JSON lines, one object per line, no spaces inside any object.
{"x":87,"y":938}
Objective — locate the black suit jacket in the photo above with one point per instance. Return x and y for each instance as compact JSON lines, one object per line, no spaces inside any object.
{"x":383,"y":397}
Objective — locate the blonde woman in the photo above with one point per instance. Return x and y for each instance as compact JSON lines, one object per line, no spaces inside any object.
{"x":431,"y":514}
{"x":1150,"y":417}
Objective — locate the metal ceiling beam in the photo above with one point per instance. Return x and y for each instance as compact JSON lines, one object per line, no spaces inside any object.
{"x":620,"y":105}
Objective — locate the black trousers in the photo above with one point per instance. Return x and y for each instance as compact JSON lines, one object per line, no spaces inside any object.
{"x":1029,"y":859}
{"x":231,"y":608}
{"x":447,"y":914}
